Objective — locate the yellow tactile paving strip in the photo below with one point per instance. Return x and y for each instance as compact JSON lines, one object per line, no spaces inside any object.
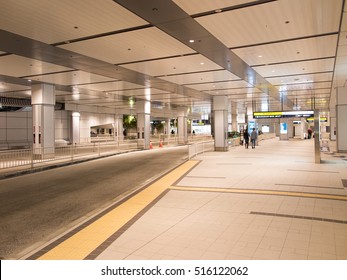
{"x":267,"y":192}
{"x":80,"y":245}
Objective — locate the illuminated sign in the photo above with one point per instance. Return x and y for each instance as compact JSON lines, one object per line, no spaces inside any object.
{"x":298,"y":114}
{"x":322,"y":119}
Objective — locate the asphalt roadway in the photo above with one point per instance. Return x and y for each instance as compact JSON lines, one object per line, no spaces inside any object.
{"x":37,"y":207}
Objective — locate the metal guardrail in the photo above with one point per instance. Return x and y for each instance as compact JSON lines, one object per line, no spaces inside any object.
{"x":35,"y":157}
{"x":30,"y":158}
{"x":199,"y":148}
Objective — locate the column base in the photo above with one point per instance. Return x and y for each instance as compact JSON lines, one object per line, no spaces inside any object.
{"x":221,"y":149}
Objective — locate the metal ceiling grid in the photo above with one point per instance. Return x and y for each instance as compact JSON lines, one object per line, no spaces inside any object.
{"x":289,"y":35}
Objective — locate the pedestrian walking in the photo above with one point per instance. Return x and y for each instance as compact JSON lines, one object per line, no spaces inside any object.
{"x":246,"y":138}
{"x":254,"y":137}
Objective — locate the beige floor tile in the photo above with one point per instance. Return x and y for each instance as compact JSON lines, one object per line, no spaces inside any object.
{"x":221,"y":247}
{"x":233,"y":256}
{"x":272,"y":243}
{"x":191,"y":254}
{"x":341,"y":256}
{"x":296,"y":244}
{"x":266,"y":254}
{"x":321,"y":256}
{"x":322,"y":248}
{"x":111,"y":255}
{"x":292,"y":256}
{"x":304,"y":236}
{"x":208,"y":255}
{"x":246,"y":251}
{"x":170,"y":250}
{"x":252,"y":238}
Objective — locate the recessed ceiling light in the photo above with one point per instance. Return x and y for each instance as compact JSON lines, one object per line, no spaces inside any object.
{"x":191,"y":41}
{"x":202,"y":63}
{"x":260,"y":56}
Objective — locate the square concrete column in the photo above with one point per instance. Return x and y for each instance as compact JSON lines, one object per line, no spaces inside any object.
{"x":182,"y":126}
{"x":143,"y":110}
{"x":220,"y":112}
{"x":43,"y":101}
{"x":168,"y":128}
{"x":341,"y":120}
{"x":75,"y":128}
{"x":118,"y":127}
{"x":233,"y":116}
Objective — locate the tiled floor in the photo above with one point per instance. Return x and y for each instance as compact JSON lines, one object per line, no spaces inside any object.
{"x":207,"y":224}
{"x":272,"y":202}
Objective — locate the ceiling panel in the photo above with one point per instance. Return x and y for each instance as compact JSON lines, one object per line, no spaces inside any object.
{"x":312,"y":48}
{"x":62,"y":20}
{"x":18,"y":66}
{"x":5,"y":87}
{"x":177,"y":65}
{"x":309,"y":86}
{"x":71,"y":78}
{"x":144,"y":44}
{"x":274,"y":21}
{"x":198,"y":6}
{"x":111,"y":86}
{"x":220,"y":85}
{"x":249,"y":91}
{"x":320,"y":77}
{"x":203,"y":77}
{"x":295,"y":68}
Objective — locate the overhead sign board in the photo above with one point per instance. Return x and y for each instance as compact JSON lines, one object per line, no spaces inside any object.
{"x":322,"y":119}
{"x":288,"y":114}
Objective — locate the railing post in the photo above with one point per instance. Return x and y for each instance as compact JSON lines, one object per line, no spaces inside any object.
{"x":32,"y":157}
{"x":71,"y":152}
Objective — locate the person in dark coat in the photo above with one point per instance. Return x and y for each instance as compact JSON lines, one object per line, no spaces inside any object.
{"x":246,"y":138}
